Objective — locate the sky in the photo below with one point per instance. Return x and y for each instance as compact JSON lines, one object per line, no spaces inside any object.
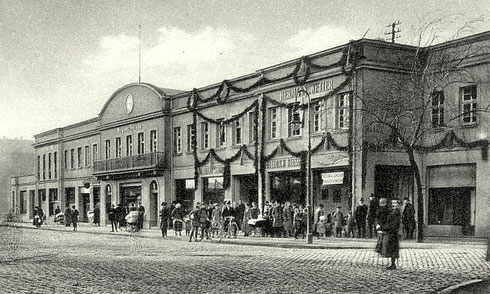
{"x":61,"y":60}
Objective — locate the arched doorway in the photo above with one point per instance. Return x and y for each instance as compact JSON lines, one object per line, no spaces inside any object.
{"x":153,"y":204}
{"x":108,"y":198}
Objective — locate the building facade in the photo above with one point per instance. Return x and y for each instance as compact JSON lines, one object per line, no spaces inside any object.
{"x":234,"y":140}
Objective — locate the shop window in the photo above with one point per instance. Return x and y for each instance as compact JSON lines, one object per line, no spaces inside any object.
{"x":118,"y":147}
{"x":293,"y":130}
{"x":337,"y":195}
{"x":129,"y":145}
{"x":153,"y":141}
{"x":252,"y":124}
{"x":450,"y":206}
{"x":468,"y":104}
{"x":273,"y":119}
{"x":204,"y":135}
{"x":95,"y":153}
{"x":141,"y":143}
{"x":87,"y":155}
{"x":79,"y":157}
{"x":437,"y":109}
{"x":221,"y":131}
{"x":49,"y":166}
{"x":177,"y":140}
{"x":237,"y":132}
{"x":343,"y":110}
{"x":191,"y":133}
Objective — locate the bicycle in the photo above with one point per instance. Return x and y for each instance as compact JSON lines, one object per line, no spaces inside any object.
{"x":231,"y":230}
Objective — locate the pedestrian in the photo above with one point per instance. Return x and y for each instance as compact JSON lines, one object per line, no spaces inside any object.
{"x":246,"y":217}
{"x":178,"y":219}
{"x":277,"y":221}
{"x":316,"y":218}
{"x":298,"y":223}
{"x":371,"y":216}
{"x":118,"y":214}
{"x":74,"y":218}
{"x":141,"y":216}
{"x":287,"y":216}
{"x":37,"y":220}
{"x":204,"y":222}
{"x":112,"y":217}
{"x":321,"y":227}
{"x":216,"y":220}
{"x":164,"y":213}
{"x":194,"y":217}
{"x":97,"y":215}
{"x":408,"y":218}
{"x":228,"y":214}
{"x":240,"y":210}
{"x":360,"y":215}
{"x":350,"y":225}
{"x":57,"y":210}
{"x":390,"y":246}
{"x":68,"y":217}
{"x":338,"y":218}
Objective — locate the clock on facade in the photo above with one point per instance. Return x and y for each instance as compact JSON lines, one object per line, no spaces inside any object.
{"x":129,"y":103}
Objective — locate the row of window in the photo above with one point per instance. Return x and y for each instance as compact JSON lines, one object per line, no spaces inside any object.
{"x":468,"y":104}
{"x":82,"y":158}
{"x":273,"y":132}
{"x":128,"y":148}
{"x":47,"y":166}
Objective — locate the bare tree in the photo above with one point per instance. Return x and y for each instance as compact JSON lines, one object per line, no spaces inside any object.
{"x":399,"y":108}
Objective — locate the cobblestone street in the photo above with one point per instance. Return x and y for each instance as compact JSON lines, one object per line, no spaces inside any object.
{"x":46,"y":261}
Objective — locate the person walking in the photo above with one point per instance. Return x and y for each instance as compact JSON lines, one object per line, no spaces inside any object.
{"x":68,"y":217}
{"x":360,"y":216}
{"x":371,"y":216}
{"x":164,"y":214}
{"x":178,"y":219}
{"x":390,"y":247}
{"x":113,"y":217}
{"x":408,"y":218}
{"x":74,"y":218}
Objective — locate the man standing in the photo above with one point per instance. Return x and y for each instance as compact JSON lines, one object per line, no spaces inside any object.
{"x":113,"y":218}
{"x":74,"y":218}
{"x":371,"y":217}
{"x":164,"y":215}
{"x":141,"y":216}
{"x":287,"y":215}
{"x":360,"y":216}
{"x":408,"y":218}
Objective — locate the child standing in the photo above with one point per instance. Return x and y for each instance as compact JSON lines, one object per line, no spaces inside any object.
{"x":350,"y":225}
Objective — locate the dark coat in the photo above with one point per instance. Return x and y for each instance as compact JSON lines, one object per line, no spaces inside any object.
{"x":74,"y":216}
{"x":277,"y":217}
{"x":361,"y":213}
{"x":390,"y":246}
{"x":112,"y":214}
{"x":228,"y":212}
{"x":408,"y":216}
{"x":177,"y":213}
{"x":96,"y":215}
{"x":372,"y":209}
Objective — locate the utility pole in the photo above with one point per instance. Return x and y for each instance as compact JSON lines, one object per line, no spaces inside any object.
{"x":394,"y":31}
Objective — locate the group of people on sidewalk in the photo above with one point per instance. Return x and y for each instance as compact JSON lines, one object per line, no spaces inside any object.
{"x":70,"y":217}
{"x":130,"y":216}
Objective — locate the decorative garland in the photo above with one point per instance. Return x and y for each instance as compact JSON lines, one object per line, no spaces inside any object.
{"x":226,"y":121}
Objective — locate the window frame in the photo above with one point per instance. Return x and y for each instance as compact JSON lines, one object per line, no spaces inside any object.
{"x":79,"y":157}
{"x":237,"y":132}
{"x":153,"y":141}
{"x":205,"y":135}
{"x":86,"y":155}
{"x":252,"y":126}
{"x":220,"y":133}
{"x":191,"y":133}
{"x":107,"y":145}
{"x":129,"y":145}
{"x":95,"y":152}
{"x":177,"y":136}
{"x":343,"y":110}
{"x":472,"y":102}
{"x":293,"y":131}
{"x":273,"y":122}
{"x":141,"y":143}
{"x":118,"y":143}
{"x":49,"y":166}
{"x":437,"y":109}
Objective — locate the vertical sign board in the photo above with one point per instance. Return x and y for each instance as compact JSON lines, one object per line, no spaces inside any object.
{"x":335,"y":178}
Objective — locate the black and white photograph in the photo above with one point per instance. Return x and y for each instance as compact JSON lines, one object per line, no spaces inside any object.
{"x":279,"y":146}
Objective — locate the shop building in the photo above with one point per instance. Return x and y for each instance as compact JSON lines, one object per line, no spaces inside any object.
{"x":234,"y":140}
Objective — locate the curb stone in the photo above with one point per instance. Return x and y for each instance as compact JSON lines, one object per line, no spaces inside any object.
{"x":455,"y":287}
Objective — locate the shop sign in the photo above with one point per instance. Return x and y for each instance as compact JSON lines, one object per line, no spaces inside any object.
{"x":316,"y":89}
{"x":212,"y":170}
{"x":283,"y":163}
{"x":189,"y":184}
{"x":336,"y":178}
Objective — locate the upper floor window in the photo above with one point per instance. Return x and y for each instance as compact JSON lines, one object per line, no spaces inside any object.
{"x":177,"y":140}
{"x":79,"y":157}
{"x":44,"y":166}
{"x":252,"y":125}
{"x":153,"y":141}
{"x":118,"y":147}
{"x":95,"y":152}
{"x":49,"y":166}
{"x":293,"y":130}
{"x":273,"y":119}
{"x":237,"y":132}
{"x":204,"y":135}
{"x":437,"y":109}
{"x":191,"y":133}
{"x":141,"y":143}
{"x":39,"y":167}
{"x":87,"y":155}
{"x":66,"y":160}
{"x":343,"y":110}
{"x":129,"y":145}
{"x":55,"y":162}
{"x":72,"y":158}
{"x":107,"y":149}
{"x":221,"y":132}
{"x":468,"y":103}
{"x":317,"y":117}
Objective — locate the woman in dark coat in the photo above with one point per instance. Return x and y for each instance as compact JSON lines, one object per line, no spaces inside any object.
{"x":390,"y":246}
{"x":164,"y":215}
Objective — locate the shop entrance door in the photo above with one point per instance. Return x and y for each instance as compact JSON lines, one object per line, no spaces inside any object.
{"x":153,"y":209}
{"x":248,"y":189}
{"x":287,"y":186}
{"x":84,"y":207}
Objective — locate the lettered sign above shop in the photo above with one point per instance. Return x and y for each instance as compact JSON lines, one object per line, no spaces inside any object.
{"x":315,"y":90}
{"x":335,"y":178}
{"x":212,"y":170}
{"x":283,"y":163}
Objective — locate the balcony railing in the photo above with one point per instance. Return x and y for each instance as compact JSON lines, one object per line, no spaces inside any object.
{"x":148,"y":160}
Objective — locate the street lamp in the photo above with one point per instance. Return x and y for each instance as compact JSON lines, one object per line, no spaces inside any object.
{"x":296,"y":121}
